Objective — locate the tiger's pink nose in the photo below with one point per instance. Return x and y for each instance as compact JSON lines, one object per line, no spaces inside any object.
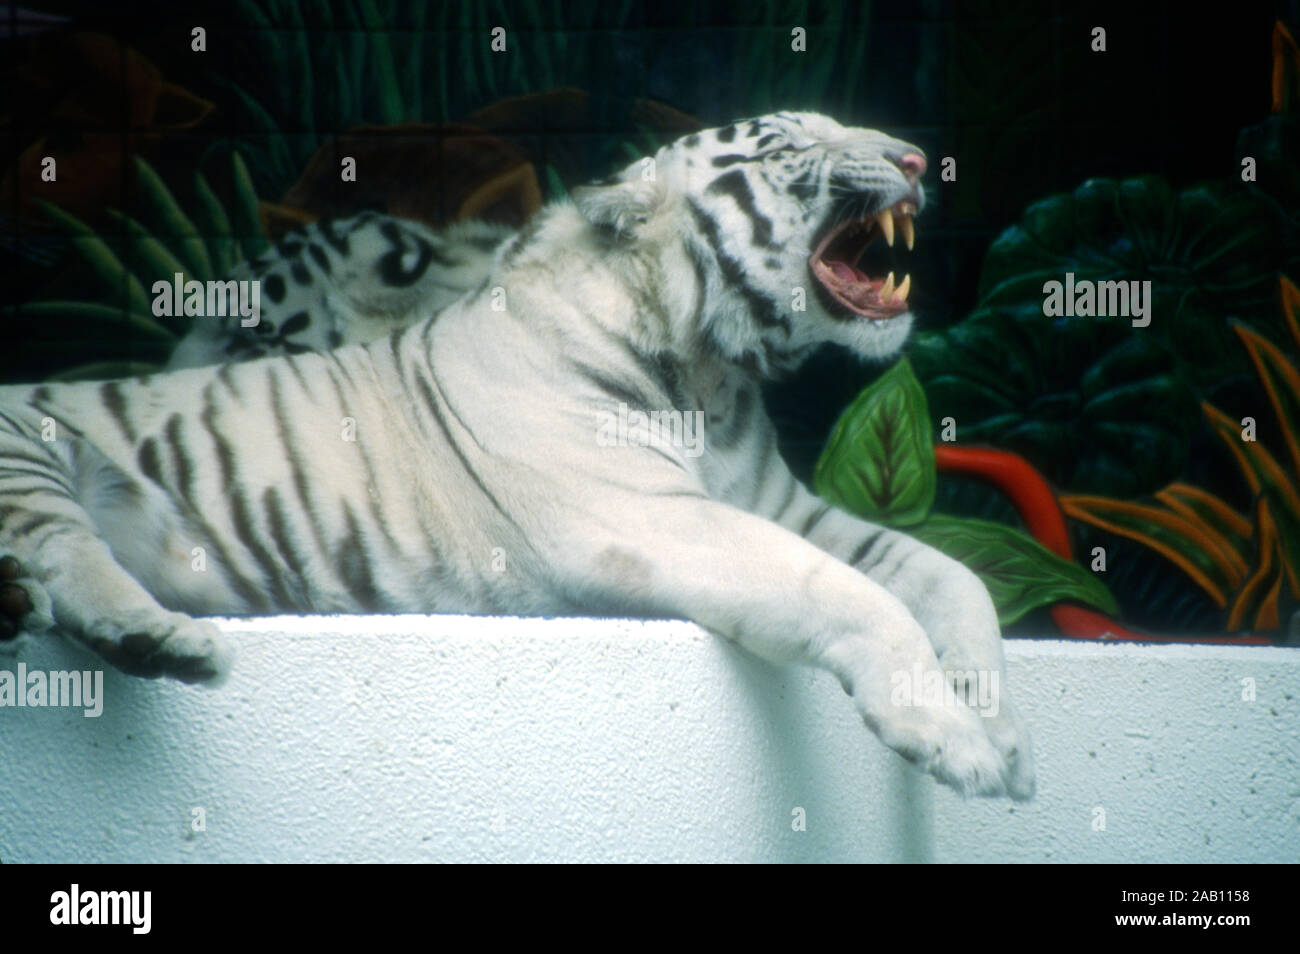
{"x":912,"y":164}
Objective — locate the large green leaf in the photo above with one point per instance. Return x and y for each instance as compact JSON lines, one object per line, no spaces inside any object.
{"x":1021,"y":574}
{"x":879,"y":461}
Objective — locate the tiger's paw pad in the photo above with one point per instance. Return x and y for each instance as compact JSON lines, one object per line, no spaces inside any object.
{"x":24,"y":604}
{"x":190,"y":650}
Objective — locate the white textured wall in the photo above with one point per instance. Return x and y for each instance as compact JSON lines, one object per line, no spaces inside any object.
{"x":455,"y":739}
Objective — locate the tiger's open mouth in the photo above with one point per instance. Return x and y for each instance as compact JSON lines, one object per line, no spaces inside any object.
{"x":837,"y":262}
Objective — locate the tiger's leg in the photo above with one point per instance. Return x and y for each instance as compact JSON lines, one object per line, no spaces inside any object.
{"x":944,"y":595}
{"x":74,"y":584}
{"x":785,"y":600}
{"x":58,"y":572}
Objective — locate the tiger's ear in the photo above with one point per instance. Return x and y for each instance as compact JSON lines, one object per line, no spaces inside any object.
{"x":621,"y":207}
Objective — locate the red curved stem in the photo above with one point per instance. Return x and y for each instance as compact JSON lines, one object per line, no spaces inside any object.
{"x":1036,"y":503}
{"x":1021,"y":482}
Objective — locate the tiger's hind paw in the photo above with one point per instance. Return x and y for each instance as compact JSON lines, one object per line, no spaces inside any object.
{"x":167,"y":644}
{"x":24,"y":605}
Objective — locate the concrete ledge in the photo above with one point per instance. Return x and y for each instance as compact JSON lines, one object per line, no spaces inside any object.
{"x":445,"y":738}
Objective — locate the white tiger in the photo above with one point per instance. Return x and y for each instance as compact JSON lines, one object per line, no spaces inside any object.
{"x":386,"y":477}
{"x":349,"y":280}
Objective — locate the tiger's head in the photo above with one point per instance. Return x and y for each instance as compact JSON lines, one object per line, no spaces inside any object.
{"x":790,"y":223}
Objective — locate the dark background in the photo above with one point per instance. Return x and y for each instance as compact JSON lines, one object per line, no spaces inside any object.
{"x":1011,"y":89}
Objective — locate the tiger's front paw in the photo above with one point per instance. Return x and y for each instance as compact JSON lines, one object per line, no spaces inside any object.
{"x":902,"y":695}
{"x":1011,"y":737}
{"x":24,"y":604}
{"x":982,"y":690}
{"x":945,"y":739}
{"x":164,"y":644}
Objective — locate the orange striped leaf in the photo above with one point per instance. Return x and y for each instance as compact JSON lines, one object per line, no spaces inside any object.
{"x":1228,"y":532}
{"x":1291,"y":308}
{"x":1183,"y":542}
{"x":1286,"y":66}
{"x":1281,"y":382}
{"x":1258,"y":466}
{"x":1258,"y":598}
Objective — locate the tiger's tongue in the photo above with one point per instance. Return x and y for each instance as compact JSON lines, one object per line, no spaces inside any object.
{"x":846,"y":272}
{"x":854,"y":286}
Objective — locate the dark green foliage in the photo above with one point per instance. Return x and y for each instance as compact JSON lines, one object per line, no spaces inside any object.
{"x":1098,"y":405}
{"x":386,"y":62}
{"x":116,"y":334}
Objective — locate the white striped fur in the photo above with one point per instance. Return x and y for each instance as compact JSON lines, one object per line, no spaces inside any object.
{"x":476,"y":483}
